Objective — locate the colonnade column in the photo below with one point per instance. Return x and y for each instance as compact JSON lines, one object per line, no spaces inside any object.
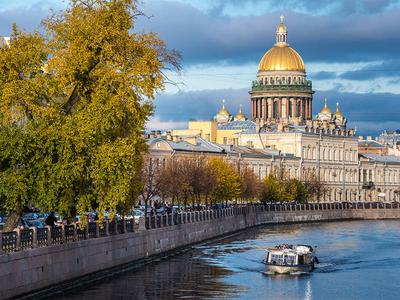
{"x":294,"y":107}
{"x":301,"y":107}
{"x":285,"y":108}
{"x":279,"y":108}
{"x":263,"y":103}
{"x":252,"y":109}
{"x":269,"y":108}
{"x":308,"y":108}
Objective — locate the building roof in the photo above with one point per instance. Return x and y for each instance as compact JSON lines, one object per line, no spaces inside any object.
{"x":200,"y":146}
{"x":237,"y":125}
{"x":370,"y":144}
{"x":382,"y":158}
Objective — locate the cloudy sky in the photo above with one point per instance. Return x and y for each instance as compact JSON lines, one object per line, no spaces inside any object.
{"x":351,"y":50}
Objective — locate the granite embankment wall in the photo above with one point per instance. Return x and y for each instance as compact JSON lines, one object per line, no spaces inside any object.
{"x":34,"y":269}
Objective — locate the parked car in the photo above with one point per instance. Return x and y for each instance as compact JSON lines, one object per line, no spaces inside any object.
{"x":137,"y":214}
{"x":36,"y":223}
{"x":31,"y":216}
{"x":23,"y":224}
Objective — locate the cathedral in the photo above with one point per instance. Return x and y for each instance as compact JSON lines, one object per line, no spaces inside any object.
{"x":282,"y":132}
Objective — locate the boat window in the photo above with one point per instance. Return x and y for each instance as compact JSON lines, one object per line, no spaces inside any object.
{"x":276,"y":259}
{"x":289,"y":260}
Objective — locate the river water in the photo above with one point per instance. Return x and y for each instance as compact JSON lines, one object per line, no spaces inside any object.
{"x":358,"y":260}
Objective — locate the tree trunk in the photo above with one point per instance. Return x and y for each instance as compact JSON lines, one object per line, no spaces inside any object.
{"x":12,"y":220}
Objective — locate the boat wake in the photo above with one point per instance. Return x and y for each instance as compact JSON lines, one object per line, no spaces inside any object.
{"x":297,"y":273}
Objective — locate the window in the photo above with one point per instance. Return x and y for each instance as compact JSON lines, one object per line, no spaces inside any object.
{"x":225,"y":140}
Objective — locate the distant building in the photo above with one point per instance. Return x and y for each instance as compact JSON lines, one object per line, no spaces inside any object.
{"x":283,"y":133}
{"x":390,"y":138}
{"x":370,"y":146}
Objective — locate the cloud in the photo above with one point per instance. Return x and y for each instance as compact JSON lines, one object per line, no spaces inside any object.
{"x":27,"y":15}
{"x":156,"y":124}
{"x":200,"y":105}
{"x":388,"y":68}
{"x":370,"y":113}
{"x":204,"y":38}
{"x":321,"y":7}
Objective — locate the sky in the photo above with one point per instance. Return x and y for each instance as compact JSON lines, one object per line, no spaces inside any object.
{"x":350,"y":48}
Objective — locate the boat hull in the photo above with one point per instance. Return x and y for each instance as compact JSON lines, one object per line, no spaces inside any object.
{"x":277,"y":269}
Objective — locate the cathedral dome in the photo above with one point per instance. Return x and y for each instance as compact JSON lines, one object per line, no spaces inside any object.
{"x":240,"y":116}
{"x":281,"y":57}
{"x":338,"y":113}
{"x":325,"y":109}
{"x":223,"y":114}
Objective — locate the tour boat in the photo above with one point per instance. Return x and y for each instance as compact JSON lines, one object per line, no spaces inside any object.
{"x":288,"y":259}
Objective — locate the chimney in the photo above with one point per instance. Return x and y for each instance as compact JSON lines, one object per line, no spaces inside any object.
{"x":175,"y":138}
{"x":369,"y":138}
{"x":152,"y":134}
{"x":360,"y":138}
{"x":158,"y":134}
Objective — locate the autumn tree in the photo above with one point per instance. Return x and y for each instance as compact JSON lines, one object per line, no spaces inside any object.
{"x":171,"y":181}
{"x":272,"y":190}
{"x":73,"y":104}
{"x":283,"y":189}
{"x":314,"y":186}
{"x":188,"y":180}
{"x":296,"y":191}
{"x":249,"y":184}
{"x":150,"y":177}
{"x":227,"y":184}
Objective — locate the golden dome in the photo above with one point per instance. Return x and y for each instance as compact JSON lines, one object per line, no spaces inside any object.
{"x":325,"y":109}
{"x":281,"y":59}
{"x":240,"y":115}
{"x":223,"y":110}
{"x":338,"y":114}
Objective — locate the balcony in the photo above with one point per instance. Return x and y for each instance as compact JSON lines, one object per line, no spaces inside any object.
{"x":304,"y":87}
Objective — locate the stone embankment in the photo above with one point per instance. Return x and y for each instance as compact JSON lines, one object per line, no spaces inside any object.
{"x":70,"y":253}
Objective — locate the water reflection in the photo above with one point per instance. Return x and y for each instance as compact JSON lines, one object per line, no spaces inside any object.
{"x":181,"y":277}
{"x":359,"y":260}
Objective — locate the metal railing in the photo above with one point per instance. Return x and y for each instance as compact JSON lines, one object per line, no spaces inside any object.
{"x":20,"y":240}
{"x":24,"y":239}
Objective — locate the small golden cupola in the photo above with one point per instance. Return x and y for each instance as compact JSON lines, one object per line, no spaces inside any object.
{"x":240,"y":115}
{"x":325,"y":109}
{"x":338,"y":114}
{"x":325,"y":113}
{"x":340,"y":120}
{"x":223,"y":115}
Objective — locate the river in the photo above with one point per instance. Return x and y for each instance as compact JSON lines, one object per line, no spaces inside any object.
{"x":358,"y":260}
